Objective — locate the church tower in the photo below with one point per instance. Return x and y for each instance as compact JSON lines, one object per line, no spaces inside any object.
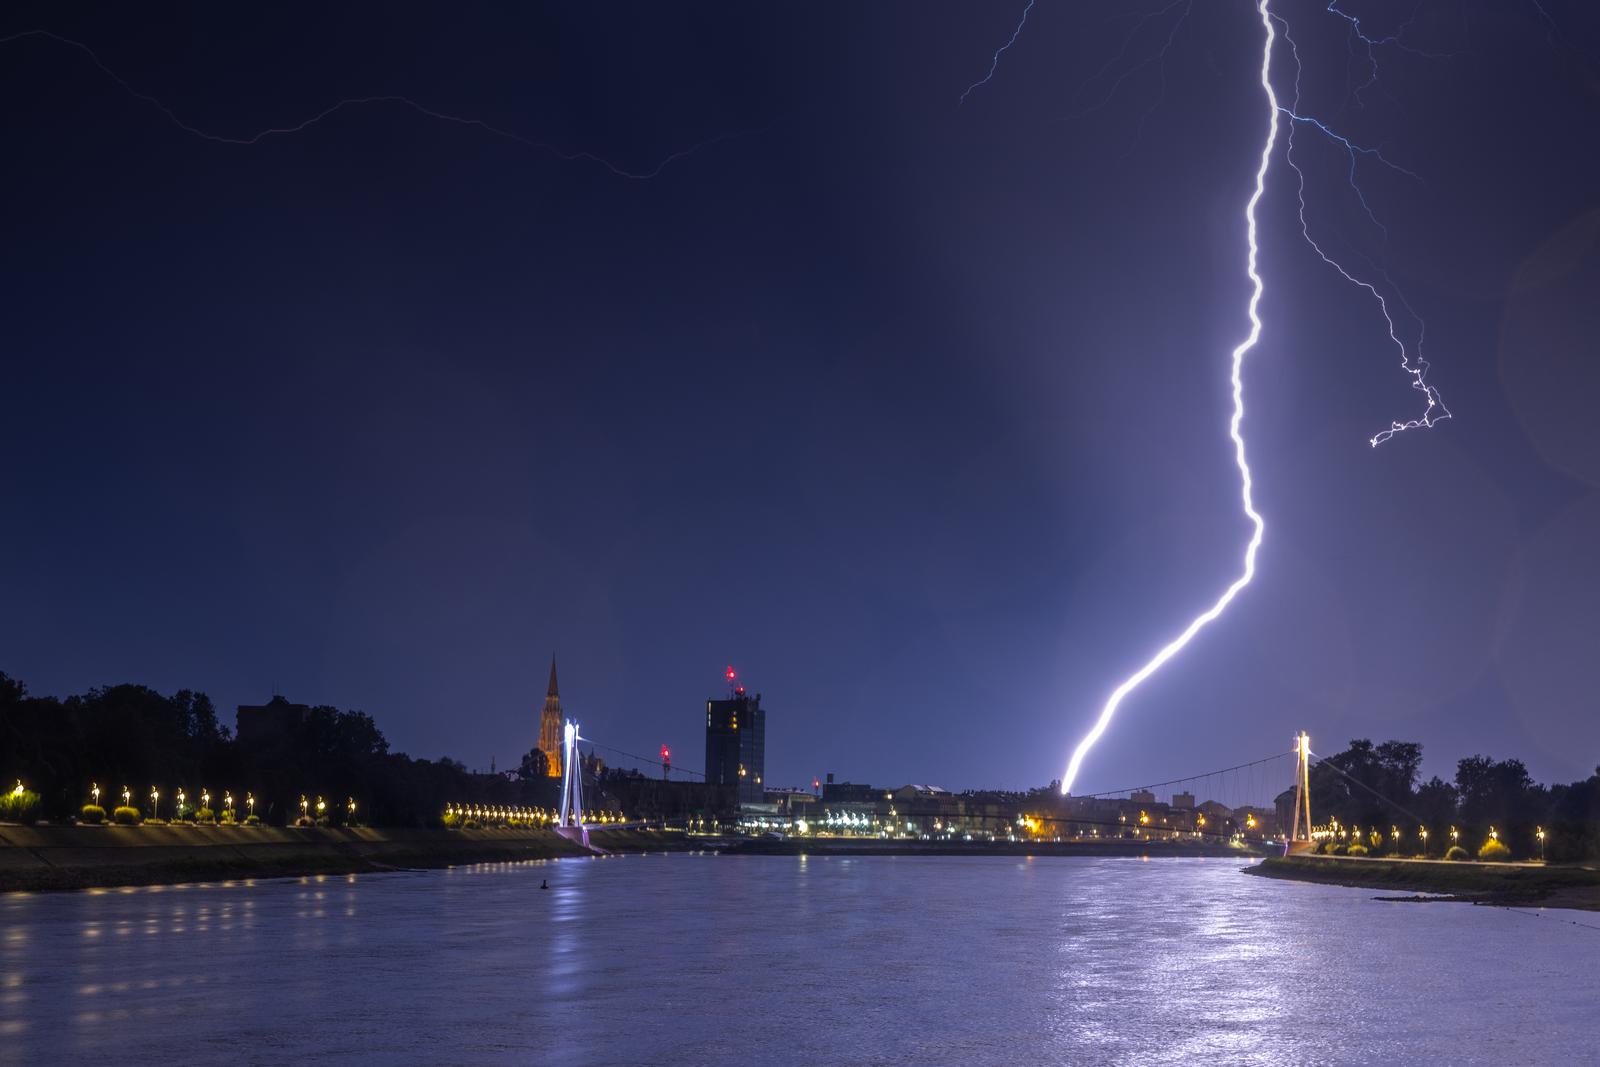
{"x":550,"y":725}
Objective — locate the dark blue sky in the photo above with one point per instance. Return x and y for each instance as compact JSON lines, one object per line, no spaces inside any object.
{"x":913,"y":412}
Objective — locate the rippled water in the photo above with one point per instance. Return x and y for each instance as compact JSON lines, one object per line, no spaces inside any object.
{"x":688,"y":959}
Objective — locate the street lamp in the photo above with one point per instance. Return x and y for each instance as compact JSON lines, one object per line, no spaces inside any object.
{"x":1455,"y":836}
{"x":250,"y":802}
{"x":304,"y":804}
{"x":1424,"y":833}
{"x":1539,"y":833}
{"x":94,"y":791}
{"x":127,"y":796}
{"x":155,"y":801}
{"x":205,"y":797}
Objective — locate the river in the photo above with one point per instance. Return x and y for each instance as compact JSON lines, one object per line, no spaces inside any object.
{"x":703,"y":959}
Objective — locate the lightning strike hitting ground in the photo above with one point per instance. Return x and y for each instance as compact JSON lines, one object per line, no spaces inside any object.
{"x":359,"y":101}
{"x":1176,"y":645}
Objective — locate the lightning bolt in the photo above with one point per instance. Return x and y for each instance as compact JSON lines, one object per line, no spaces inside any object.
{"x":1176,"y":645}
{"x":362,"y":101}
{"x":1413,"y":364}
{"x":994,"y":64}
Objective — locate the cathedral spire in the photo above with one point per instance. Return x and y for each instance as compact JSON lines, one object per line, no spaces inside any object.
{"x":550,"y":720}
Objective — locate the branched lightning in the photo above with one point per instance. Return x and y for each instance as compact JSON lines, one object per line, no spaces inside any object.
{"x":1412,"y":363}
{"x":1235,"y":424}
{"x":1371,"y":44}
{"x":360,"y":101}
{"x":1159,"y":56}
{"x":994,"y":64}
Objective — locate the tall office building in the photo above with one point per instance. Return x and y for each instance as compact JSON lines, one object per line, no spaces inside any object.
{"x":736,"y":743}
{"x":550,"y":725}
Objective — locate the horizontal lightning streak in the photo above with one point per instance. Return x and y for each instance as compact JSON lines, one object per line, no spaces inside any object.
{"x":1258,"y":525}
{"x":360,"y":101}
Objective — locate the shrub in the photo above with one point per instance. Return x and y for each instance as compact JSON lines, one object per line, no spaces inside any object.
{"x":205,"y":815}
{"x":126,"y":816}
{"x":185,"y":814}
{"x":1357,"y":849}
{"x":228,"y":817}
{"x":153,"y":821}
{"x":93,"y":814}
{"x":20,"y":807}
{"x":1321,"y":849}
{"x":252,"y":820}
{"x":305,"y":820}
{"x":452,"y":819}
{"x":472,"y":824}
{"x":1494,"y":850}
{"x":1338,"y":850}
{"x":1456,"y":853}
{"x":323,"y":820}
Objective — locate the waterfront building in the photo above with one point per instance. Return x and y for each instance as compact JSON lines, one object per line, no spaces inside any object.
{"x":1142,"y":796}
{"x":1183,"y":800}
{"x":736,"y":744}
{"x":550,"y":720}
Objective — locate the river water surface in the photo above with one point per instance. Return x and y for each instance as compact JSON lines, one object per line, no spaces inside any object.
{"x":701,"y":959}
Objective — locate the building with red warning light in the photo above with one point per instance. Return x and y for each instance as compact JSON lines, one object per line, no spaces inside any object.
{"x":736,"y":742}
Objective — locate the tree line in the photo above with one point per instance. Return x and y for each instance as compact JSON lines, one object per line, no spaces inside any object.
{"x":1377,"y":788}
{"x":132,"y":736}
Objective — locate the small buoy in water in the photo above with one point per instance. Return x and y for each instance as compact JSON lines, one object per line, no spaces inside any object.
{"x":545,"y":884}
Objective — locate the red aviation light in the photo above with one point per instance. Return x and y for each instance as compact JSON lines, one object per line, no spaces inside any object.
{"x":731,"y":675}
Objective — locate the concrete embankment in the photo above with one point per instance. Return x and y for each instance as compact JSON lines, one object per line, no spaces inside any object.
{"x":1554,"y":886}
{"x":78,"y":857}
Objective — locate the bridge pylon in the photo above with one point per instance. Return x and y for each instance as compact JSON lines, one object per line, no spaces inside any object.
{"x":1300,"y":830}
{"x":571,"y":778}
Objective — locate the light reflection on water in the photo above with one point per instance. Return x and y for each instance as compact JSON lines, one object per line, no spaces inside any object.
{"x":690,"y":959}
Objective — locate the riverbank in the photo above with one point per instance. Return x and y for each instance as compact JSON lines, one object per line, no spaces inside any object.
{"x":1515,"y":885}
{"x":47,"y":858}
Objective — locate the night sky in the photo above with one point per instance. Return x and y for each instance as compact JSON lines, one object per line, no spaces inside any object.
{"x":913,"y":411}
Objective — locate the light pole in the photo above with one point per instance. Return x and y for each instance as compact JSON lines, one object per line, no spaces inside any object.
{"x":1539,"y":833}
{"x":304,"y":805}
{"x":155,"y":802}
{"x":1424,"y":833}
{"x":250,"y":803}
{"x":94,"y":791}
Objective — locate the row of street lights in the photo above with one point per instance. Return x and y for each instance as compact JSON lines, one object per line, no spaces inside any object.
{"x":1375,"y":836}
{"x":517,"y":815}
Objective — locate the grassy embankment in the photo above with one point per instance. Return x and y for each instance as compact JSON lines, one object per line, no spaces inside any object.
{"x":1483,"y":883}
